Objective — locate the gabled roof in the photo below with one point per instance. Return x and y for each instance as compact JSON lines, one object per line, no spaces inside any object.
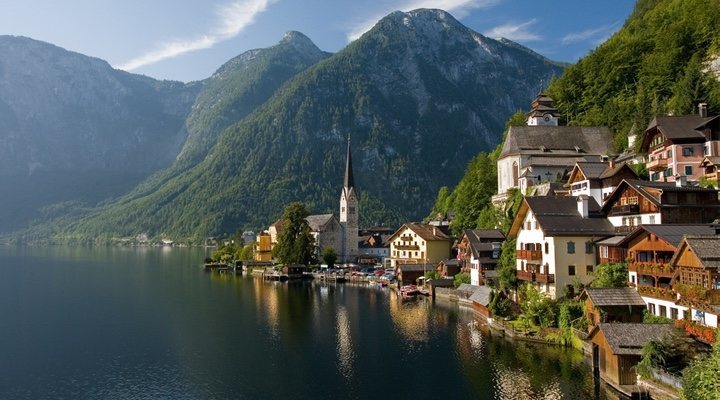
{"x":642,"y":186}
{"x":317,"y":222}
{"x":556,"y":141}
{"x":677,"y":128}
{"x":705,"y":248}
{"x":481,"y":239}
{"x":629,"y":338}
{"x":609,"y":297}
{"x":466,"y":287}
{"x":671,"y":233}
{"x":559,"y":216}
{"x":426,"y":231}
{"x":710,"y":160}
{"x":481,"y":296}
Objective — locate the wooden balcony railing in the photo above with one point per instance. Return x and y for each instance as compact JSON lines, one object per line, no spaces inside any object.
{"x":626,"y":209}
{"x":657,"y":164}
{"x":528,"y":255}
{"x":657,"y":292}
{"x":658,"y":270}
{"x":538,"y":277}
{"x":407,"y":247}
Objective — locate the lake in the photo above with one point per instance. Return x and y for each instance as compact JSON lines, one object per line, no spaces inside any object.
{"x":150,"y":323}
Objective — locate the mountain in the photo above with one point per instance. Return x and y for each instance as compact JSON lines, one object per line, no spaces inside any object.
{"x":73,"y":129}
{"x":419,"y":95}
{"x":235,"y":90}
{"x":665,"y":59}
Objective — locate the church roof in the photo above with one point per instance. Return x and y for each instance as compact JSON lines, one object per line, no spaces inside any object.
{"x":552,"y":141}
{"x":349,"y":179}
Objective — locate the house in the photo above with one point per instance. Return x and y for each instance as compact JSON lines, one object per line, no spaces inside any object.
{"x":419,"y":244}
{"x":479,"y":251}
{"x":373,"y":248}
{"x":481,"y":301}
{"x":598,"y":179}
{"x":617,"y":348}
{"x":636,"y":202}
{"x":542,"y":151}
{"x":612,"y":305}
{"x":263,"y":247}
{"x":449,"y":267}
{"x":408,"y":274}
{"x":676,"y":145}
{"x":609,"y":250}
{"x":650,"y":249}
{"x":709,"y":166}
{"x":697,"y":282}
{"x":555,"y":241}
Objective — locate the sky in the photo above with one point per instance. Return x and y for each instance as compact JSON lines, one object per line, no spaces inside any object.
{"x":188,"y":40}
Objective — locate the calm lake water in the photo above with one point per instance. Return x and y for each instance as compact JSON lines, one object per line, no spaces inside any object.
{"x":117,"y":323}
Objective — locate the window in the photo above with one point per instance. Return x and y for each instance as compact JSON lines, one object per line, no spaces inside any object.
{"x":668,"y":172}
{"x":529,"y":225}
{"x":668,"y":154}
{"x":655,"y":176}
{"x":688,"y":151}
{"x":588,"y":247}
{"x":662,"y":311}
{"x":673,"y":313}
{"x":652,"y":219}
{"x":589,"y":269}
{"x":571,"y":270}
{"x":688,"y":170}
{"x":651,"y":308}
{"x":547,"y":248}
{"x":571,"y":247}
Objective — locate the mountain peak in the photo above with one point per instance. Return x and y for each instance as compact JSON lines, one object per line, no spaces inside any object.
{"x":299,"y":41}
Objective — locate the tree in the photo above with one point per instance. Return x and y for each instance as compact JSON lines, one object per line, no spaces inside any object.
{"x":700,"y":379}
{"x":506,"y":266}
{"x":610,"y":275}
{"x":461,"y":278}
{"x":296,"y":244}
{"x":329,"y":257}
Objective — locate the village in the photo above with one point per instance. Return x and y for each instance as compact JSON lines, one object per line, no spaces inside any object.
{"x":595,"y":257}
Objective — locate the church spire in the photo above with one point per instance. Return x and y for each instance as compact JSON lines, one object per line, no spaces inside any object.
{"x":349,"y":182}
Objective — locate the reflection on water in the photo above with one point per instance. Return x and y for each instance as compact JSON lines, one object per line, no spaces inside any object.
{"x":150,"y":323}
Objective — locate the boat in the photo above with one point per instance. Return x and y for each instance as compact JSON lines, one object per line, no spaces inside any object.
{"x":409,"y":291}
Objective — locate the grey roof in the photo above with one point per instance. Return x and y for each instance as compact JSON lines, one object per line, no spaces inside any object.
{"x":611,"y":241}
{"x":592,"y":170}
{"x":641,"y":186}
{"x":556,"y":140}
{"x":555,"y":161}
{"x":629,"y":338}
{"x":679,"y":127}
{"x":443,"y":282}
{"x":425,"y":231}
{"x":559,"y":216}
{"x":606,"y":297}
{"x":671,"y":233}
{"x":548,"y":189}
{"x":466,"y":287}
{"x":492,"y":273}
{"x":481,"y":295}
{"x":715,"y":160}
{"x":415,"y":267}
{"x":317,"y":222}
{"x":481,"y":239}
{"x":706,"y":248}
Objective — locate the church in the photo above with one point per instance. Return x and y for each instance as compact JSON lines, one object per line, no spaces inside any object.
{"x":329,"y":231}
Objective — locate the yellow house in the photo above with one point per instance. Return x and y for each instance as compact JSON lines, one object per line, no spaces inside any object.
{"x":263,"y":248}
{"x":418,"y":244}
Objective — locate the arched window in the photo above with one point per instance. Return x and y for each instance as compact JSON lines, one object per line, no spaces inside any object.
{"x":515,"y":173}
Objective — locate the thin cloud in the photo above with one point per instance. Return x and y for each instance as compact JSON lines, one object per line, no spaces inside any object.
{"x":459,"y":8}
{"x":516,"y":32}
{"x":597,"y":35}
{"x":232,"y":19}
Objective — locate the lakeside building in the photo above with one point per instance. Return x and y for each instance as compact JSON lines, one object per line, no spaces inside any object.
{"x":419,"y":244}
{"x":543,"y":151}
{"x":612,"y":305}
{"x":555,"y":241}
{"x":677,"y":144}
{"x":479,"y":252}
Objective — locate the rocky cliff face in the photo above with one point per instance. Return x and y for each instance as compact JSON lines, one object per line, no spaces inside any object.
{"x":73,"y":128}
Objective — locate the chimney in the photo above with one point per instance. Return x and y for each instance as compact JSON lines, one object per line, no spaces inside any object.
{"x":611,"y":164}
{"x":434,"y":230}
{"x":680,"y":180}
{"x":702,"y":110}
{"x":583,"y":205}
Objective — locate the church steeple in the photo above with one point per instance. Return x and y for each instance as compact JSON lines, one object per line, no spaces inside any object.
{"x":349,"y":182}
{"x":349,"y":212}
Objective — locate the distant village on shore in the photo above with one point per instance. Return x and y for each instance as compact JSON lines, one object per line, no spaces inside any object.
{"x":583,"y":213}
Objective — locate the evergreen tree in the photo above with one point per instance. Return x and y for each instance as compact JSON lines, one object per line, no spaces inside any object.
{"x":296,"y":244}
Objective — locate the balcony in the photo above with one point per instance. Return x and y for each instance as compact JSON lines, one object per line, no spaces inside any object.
{"x":528,"y":254}
{"x":657,"y":270}
{"x":528,"y":276}
{"x":407,"y":247}
{"x":658,"y":164}
{"x":657,"y":292}
{"x":698,"y":294}
{"x":626,"y":209}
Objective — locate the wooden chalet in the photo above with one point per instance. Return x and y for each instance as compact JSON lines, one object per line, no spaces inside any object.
{"x":479,"y":251}
{"x":697,"y":282}
{"x":617,"y":347}
{"x":408,"y":274}
{"x":709,"y":166}
{"x":636,"y":202}
{"x":612,"y":305}
{"x":598,"y":179}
